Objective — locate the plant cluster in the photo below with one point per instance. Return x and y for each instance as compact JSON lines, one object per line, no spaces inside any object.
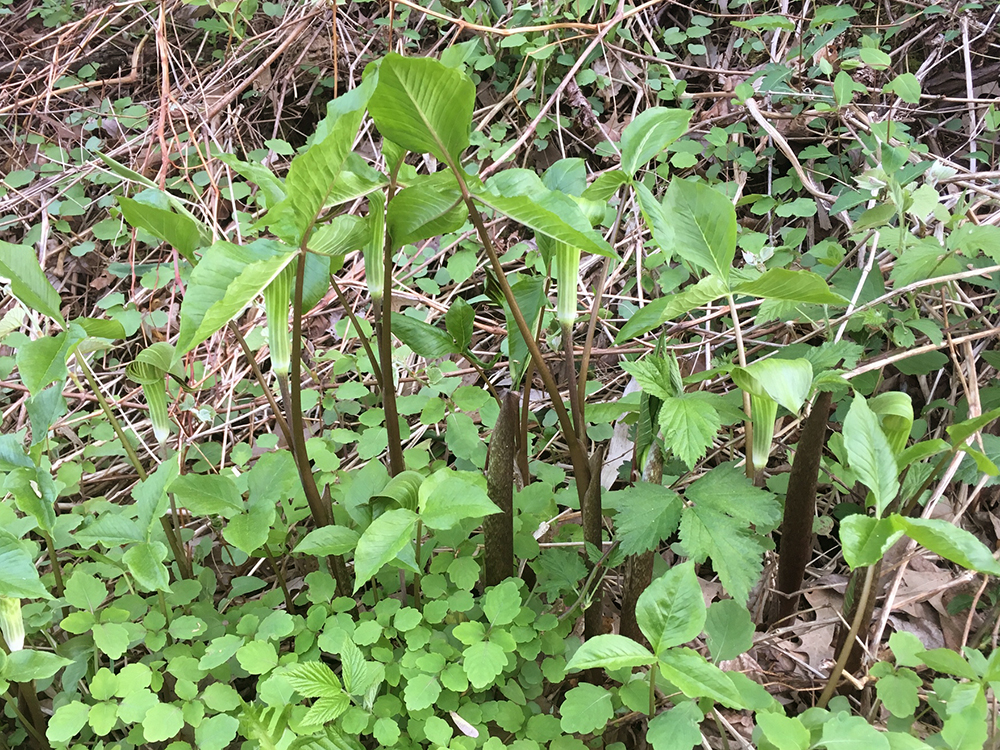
{"x":422,"y":552}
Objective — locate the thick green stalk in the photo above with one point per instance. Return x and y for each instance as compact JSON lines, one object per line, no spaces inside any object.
{"x":577,"y":452}
{"x":593,"y":515}
{"x":800,"y":508}
{"x":498,"y":529}
{"x":383,"y":308}
{"x":292,"y":394}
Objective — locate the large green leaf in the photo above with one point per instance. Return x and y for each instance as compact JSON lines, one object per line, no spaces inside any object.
{"x":27,"y":665}
{"x":20,"y":579}
{"x":672,"y":609}
{"x":34,"y":493}
{"x":696,"y":678}
{"x":610,"y":652}
{"x":313,"y":174}
{"x":330,"y":738}
{"x":924,"y":259}
{"x":586,"y":709}
{"x":845,"y":732}
{"x":447,"y":497}
{"x":12,"y":454}
{"x":381,"y":542}
{"x":207,"y":494}
{"x":553,"y":215}
{"x":145,"y":563}
{"x":431,"y":207}
{"x":19,"y":263}
{"x":344,"y":234}
{"x":865,"y":539}
{"x":606,"y":185}
{"x":568,"y":175}
{"x":328,"y":540}
{"x":793,"y":286}
{"x":110,"y":530}
{"x":150,"y":495}
{"x":971,"y":238}
{"x":518,"y":182}
{"x":870,"y":455}
{"x":44,"y":410}
{"x":961,"y":432}
{"x":316,"y":281}
{"x":180,"y":231}
{"x":655,"y":217}
{"x":357,"y":179}
{"x":665,"y":309}
{"x":657,"y":376}
{"x":222,"y":285}
{"x":423,"y":338}
{"x":424,"y":106}
{"x":248,"y":531}
{"x":459,"y":321}
{"x":163,"y":199}
{"x":704,"y":226}
{"x":729,"y":630}
{"x":949,"y":541}
{"x":101,"y":328}
{"x":783,"y":732}
{"x":272,"y":187}
{"x":43,"y":361}
{"x":649,"y":133}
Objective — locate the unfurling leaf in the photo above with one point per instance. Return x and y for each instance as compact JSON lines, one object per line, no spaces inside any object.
{"x":870,"y":454}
